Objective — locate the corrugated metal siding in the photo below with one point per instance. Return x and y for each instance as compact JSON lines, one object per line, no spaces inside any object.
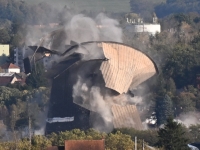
{"x":85,"y":145}
{"x":126,"y":117}
{"x":125,"y":66}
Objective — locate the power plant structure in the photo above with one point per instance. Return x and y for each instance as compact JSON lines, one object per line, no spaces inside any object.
{"x":91,"y":84}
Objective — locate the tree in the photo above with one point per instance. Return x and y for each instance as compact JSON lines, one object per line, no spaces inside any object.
{"x":164,"y":109}
{"x":195,"y":133}
{"x":40,"y":142}
{"x":149,"y":136}
{"x":37,"y":78}
{"x":4,"y":36}
{"x":171,"y":137}
{"x":119,"y":141}
{"x":144,"y":7}
{"x":185,"y":102}
{"x":171,"y":87}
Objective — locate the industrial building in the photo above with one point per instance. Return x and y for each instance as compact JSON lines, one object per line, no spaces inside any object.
{"x":108,"y":66}
{"x":91,"y":81}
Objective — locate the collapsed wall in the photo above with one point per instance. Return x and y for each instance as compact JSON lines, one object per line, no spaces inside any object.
{"x":90,"y":89}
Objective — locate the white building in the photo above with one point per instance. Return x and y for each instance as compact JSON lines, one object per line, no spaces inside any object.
{"x":150,"y":28}
{"x":138,"y":26}
{"x":10,"y":68}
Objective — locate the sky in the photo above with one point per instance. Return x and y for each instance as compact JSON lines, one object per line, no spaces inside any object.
{"x":98,"y":5}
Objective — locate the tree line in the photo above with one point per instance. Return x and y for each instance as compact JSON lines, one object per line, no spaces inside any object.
{"x":163,"y":8}
{"x":172,"y":136}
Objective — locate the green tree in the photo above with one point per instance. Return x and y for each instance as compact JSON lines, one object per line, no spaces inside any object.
{"x":171,"y":137}
{"x":37,"y":77}
{"x":164,"y":109}
{"x":4,"y":36}
{"x":94,"y":134}
{"x":184,"y":102}
{"x":149,"y":136}
{"x":171,"y":87}
{"x":119,"y":141}
{"x":40,"y":142}
{"x":195,"y":133}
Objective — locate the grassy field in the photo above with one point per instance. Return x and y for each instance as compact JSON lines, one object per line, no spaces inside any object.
{"x":98,"y":5}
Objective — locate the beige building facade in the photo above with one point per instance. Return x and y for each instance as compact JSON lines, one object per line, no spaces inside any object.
{"x":4,"y":53}
{"x":4,"y":50}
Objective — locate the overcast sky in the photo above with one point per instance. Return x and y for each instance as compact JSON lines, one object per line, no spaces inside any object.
{"x":108,"y":5}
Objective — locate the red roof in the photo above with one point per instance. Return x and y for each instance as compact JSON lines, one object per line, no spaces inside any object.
{"x":9,"y":66}
{"x":5,"y":80}
{"x":52,"y":148}
{"x":85,"y":145}
{"x":56,"y":148}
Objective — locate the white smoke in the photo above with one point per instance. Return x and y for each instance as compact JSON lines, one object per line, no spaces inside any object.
{"x":110,"y":30}
{"x":92,"y":99}
{"x":95,"y":99}
{"x":188,"y":119}
{"x":80,"y":28}
{"x":135,"y":100}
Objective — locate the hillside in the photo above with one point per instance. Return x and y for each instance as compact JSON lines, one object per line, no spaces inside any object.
{"x":97,"y":5}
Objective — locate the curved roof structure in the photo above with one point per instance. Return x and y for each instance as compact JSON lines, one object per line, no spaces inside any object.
{"x":122,"y":66}
{"x":125,"y":67}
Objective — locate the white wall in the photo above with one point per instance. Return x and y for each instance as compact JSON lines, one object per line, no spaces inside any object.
{"x":17,"y":70}
{"x":14,"y":80}
{"x":150,"y":28}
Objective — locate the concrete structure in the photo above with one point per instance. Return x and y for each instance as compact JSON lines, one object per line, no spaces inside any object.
{"x":4,"y":53}
{"x":10,"y":68}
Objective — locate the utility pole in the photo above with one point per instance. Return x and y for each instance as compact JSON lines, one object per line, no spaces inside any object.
{"x":29,"y":123}
{"x":143,"y":144}
{"x":29,"y":127}
{"x":135,"y":142}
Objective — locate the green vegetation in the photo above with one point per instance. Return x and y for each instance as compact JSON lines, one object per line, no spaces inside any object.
{"x":176,"y":52}
{"x":164,"y":109}
{"x":17,"y":107}
{"x":172,"y":136}
{"x":145,"y":7}
{"x":37,"y":77}
{"x":177,"y":6}
{"x":93,"y":5}
{"x":113,"y":141}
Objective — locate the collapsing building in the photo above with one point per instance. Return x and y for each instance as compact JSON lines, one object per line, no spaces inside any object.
{"x":91,"y":84}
